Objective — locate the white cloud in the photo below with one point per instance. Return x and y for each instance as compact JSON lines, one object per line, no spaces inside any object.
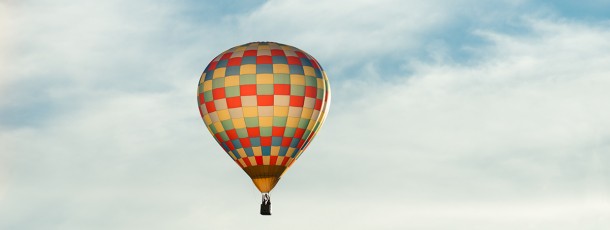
{"x":527,"y":124}
{"x":513,"y":140}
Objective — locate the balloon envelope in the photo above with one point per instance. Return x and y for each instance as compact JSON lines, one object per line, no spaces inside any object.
{"x":263,"y":102}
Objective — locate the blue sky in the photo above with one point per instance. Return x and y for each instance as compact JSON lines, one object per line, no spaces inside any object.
{"x":445,"y":115}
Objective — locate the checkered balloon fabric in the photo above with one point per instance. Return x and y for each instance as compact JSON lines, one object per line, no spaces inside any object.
{"x":263,"y":102}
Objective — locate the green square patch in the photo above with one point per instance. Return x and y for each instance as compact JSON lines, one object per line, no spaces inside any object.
{"x":289,"y":132}
{"x":207,"y":96}
{"x":311,"y":81}
{"x":218,"y":83}
{"x":279,"y":121}
{"x":297,"y":90}
{"x":227,"y":124}
{"x":281,"y":78}
{"x":264,"y":89}
{"x":224,"y":136}
{"x":242,"y":133}
{"x":247,"y":79}
{"x":251,"y":122}
{"x":232,"y":91}
{"x":303,"y":123}
{"x":265,"y":131}
{"x":213,"y":128}
{"x":306,"y":134}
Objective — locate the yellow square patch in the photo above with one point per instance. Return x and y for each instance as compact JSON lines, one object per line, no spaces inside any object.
{"x":232,"y":81}
{"x":219,"y":127}
{"x":250,"y":111}
{"x":241,"y":152}
{"x":279,"y":160}
{"x":264,"y":78}
{"x":265,"y":121}
{"x":280,"y":111}
{"x":293,"y":122}
{"x":257,"y":151}
{"x":309,"y":71}
{"x":290,"y":151}
{"x":207,"y":86}
{"x":275,"y":150}
{"x":241,"y":162}
{"x":239,"y":123}
{"x":223,"y":115}
{"x":297,"y":79}
{"x":280,"y":68}
{"x":247,"y":69}
{"x":219,"y":72}
{"x":252,"y":160}
{"x":207,"y":119}
{"x":306,"y":113}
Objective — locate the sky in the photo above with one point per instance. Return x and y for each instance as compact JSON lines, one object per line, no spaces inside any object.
{"x":445,"y":115}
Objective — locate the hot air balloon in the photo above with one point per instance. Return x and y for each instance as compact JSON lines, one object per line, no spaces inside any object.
{"x":263,"y":102}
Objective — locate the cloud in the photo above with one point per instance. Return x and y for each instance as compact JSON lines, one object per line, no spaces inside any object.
{"x":513,"y":137}
{"x":526,"y":126}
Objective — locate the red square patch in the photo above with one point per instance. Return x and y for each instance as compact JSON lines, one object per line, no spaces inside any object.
{"x":218,"y":93}
{"x":218,"y":139}
{"x":232,"y":134}
{"x":201,"y":98}
{"x":233,"y":102}
{"x":230,"y":145}
{"x":245,"y":142}
{"x":249,"y":53}
{"x":281,"y":89}
{"x":276,"y":52}
{"x":264,"y":100}
{"x":210,"y":107}
{"x":286,"y":141}
{"x":265,"y":141}
{"x":247,"y":90}
{"x":247,"y":161}
{"x":315,"y":64}
{"x":234,"y":61}
{"x":311,"y":91}
{"x":259,"y":160}
{"x":212,"y":66}
{"x":318,"y":105}
{"x":226,"y":56}
{"x":299,"y":133}
{"x":293,"y":60}
{"x":277,"y":131}
{"x":300,"y":144}
{"x":264,"y":60}
{"x":297,"y":101}
{"x":254,"y":132}
{"x":285,"y":161}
